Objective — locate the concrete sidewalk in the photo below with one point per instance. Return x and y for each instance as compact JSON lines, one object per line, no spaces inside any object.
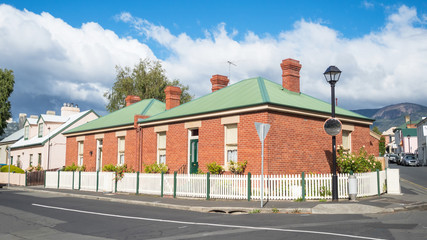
{"x":413,"y":197}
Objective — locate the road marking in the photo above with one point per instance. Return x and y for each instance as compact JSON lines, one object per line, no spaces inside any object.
{"x":405,"y":180}
{"x":204,"y":224}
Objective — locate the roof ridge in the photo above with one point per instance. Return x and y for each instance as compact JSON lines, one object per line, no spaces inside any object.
{"x":147,"y":107}
{"x":263,"y":90}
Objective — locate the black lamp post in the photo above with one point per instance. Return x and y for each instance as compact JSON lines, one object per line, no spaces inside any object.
{"x":332,"y":75}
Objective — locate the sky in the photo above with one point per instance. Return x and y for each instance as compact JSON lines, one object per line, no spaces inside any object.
{"x":67,"y":51}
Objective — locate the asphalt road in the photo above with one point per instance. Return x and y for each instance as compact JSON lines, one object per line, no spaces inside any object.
{"x":416,"y":175}
{"x":35,"y":215}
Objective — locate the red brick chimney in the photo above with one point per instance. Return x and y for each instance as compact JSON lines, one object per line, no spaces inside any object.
{"x":218,"y":82}
{"x":290,"y":74}
{"x":173,"y":97}
{"x":130,"y":99}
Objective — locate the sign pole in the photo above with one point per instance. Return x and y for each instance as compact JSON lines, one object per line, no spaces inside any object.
{"x":8,"y":174}
{"x":262,"y":168}
{"x":262,"y":130}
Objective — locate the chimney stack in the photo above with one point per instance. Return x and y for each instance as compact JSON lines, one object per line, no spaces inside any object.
{"x":290,"y":74}
{"x":173,"y":97}
{"x":218,"y":82}
{"x":130,"y":99}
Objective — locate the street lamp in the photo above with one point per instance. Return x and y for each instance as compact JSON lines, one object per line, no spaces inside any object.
{"x":332,"y":75}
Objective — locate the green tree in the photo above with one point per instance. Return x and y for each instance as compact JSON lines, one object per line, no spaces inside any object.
{"x":382,"y":146}
{"x":376,"y":130}
{"x":146,"y":80}
{"x":7,"y":80}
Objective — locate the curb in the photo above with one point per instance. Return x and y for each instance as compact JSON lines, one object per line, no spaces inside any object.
{"x":319,"y":209}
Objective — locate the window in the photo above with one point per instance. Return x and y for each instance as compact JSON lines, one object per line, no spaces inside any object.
{"x":121,"y":151}
{"x":346,"y":140}
{"x":161,"y":147}
{"x":40,"y":129}
{"x":11,"y":160}
{"x":18,"y":163}
{"x":80,"y":153}
{"x":231,"y":142}
{"x":26,"y":132}
{"x":40,"y":159}
{"x":31,"y":160}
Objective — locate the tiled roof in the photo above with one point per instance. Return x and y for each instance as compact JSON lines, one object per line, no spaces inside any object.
{"x":251,"y":92}
{"x":42,"y":140}
{"x":122,"y":117}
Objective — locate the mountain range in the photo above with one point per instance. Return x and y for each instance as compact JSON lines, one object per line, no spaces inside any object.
{"x":394,"y":115}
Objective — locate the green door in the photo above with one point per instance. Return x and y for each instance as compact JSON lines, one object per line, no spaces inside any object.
{"x":194,"y":164}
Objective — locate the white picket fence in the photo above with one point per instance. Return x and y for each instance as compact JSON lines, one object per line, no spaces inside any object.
{"x":276,"y":187}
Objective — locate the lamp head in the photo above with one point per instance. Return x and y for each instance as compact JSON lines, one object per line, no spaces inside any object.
{"x":332,"y":75}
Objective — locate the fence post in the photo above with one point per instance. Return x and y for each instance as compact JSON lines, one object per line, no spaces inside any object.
{"x":115,"y":183}
{"x":97,"y":180}
{"x":80,"y":179}
{"x":208,"y":185}
{"x":249,"y":186}
{"x":72,"y":182}
{"x":59,"y":173}
{"x":303,"y":186}
{"x":378,"y":182}
{"x":174,"y":184}
{"x":26,"y":176}
{"x":161,"y":185}
{"x":44,"y":178}
{"x":137,"y":183}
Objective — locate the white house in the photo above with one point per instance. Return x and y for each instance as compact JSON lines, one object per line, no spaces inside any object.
{"x":422,"y":140}
{"x":43,"y":143}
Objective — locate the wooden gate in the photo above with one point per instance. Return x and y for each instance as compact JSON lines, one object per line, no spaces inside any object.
{"x":35,"y":178}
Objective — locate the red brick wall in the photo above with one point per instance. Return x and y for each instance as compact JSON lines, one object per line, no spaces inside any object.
{"x":149,"y":146}
{"x":109,"y":150}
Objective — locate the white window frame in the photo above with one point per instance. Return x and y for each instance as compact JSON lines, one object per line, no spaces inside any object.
{"x":31,"y":160}
{"x":40,"y":130}
{"x":121,"y":151}
{"x":348,"y":147}
{"x":26,"y":132}
{"x":161,"y":148}
{"x":230,"y":146}
{"x":80,"y":151}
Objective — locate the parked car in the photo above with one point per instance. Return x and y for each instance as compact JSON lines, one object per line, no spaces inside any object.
{"x":392,"y":158}
{"x":410,"y":160}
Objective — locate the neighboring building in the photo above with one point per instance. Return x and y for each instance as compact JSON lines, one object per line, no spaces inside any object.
{"x":422,"y":139}
{"x":219,"y":127}
{"x":111,"y":139}
{"x":7,"y":142}
{"x":43,"y":143}
{"x":390,"y":143}
{"x":13,"y":132}
{"x":405,"y":137}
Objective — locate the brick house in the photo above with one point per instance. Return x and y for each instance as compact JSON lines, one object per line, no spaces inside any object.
{"x":219,"y":127}
{"x":43,"y":142}
{"x":111,"y":139}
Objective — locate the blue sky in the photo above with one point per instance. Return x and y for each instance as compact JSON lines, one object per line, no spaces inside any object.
{"x":65,"y":51}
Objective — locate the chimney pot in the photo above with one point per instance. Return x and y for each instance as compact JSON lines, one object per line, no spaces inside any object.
{"x":173,"y":97}
{"x":290,"y":74}
{"x":219,"y":82}
{"x":131,"y":99}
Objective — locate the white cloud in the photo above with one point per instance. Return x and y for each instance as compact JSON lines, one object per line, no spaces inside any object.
{"x":50,"y":57}
{"x":380,"y":68}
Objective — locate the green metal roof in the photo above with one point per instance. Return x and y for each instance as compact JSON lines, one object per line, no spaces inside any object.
{"x":122,"y":117}
{"x":250,"y":92}
{"x":409,"y":132}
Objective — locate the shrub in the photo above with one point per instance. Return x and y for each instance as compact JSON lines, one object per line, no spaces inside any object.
{"x":358,"y":163}
{"x":119,"y":170}
{"x":73,"y":168}
{"x":238,"y":167}
{"x":215,"y":168}
{"x":34,"y":168}
{"x":156,"y":168}
{"x":13,"y":168}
